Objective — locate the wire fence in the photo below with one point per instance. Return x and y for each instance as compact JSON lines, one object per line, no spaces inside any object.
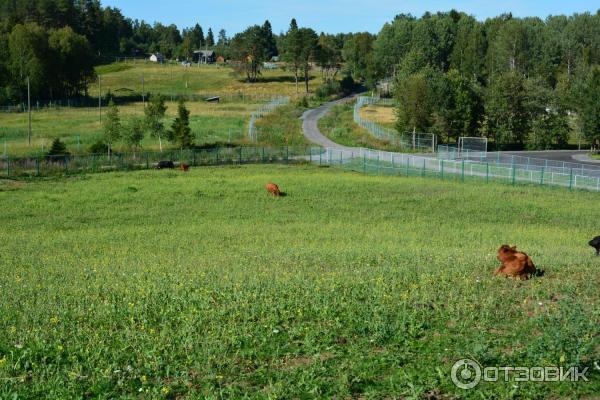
{"x":261,"y":112}
{"x":520,"y":162}
{"x":417,"y":141}
{"x":359,"y":159}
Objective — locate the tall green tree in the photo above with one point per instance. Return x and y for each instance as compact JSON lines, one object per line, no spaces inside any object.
{"x":210,"y":38}
{"x":589,"y":106}
{"x":292,"y":50}
{"x":180,"y":132}
{"x":506,"y":113}
{"x":134,"y":133}
{"x":112,"y":126}
{"x":154,"y":115}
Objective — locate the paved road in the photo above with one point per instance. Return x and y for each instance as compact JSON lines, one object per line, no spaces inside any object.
{"x":311,"y":129}
{"x":314,"y":135}
{"x":573,"y":156}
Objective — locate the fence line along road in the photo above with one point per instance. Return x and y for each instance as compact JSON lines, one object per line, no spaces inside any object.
{"x":520,"y":162}
{"x":355,"y":159}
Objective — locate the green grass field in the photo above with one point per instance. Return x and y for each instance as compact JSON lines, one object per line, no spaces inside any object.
{"x":211,"y":123}
{"x":168,"y":285}
{"x":80,"y":127}
{"x":206,"y":79}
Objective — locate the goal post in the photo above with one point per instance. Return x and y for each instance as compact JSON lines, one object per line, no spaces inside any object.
{"x":472,"y":147}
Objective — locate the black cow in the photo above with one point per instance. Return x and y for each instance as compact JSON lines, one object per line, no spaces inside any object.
{"x":595,"y":243}
{"x":165,"y":165}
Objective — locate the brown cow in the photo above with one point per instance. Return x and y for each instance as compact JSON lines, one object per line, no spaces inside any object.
{"x":273,"y":189}
{"x":515,"y":263}
{"x":184,"y":167}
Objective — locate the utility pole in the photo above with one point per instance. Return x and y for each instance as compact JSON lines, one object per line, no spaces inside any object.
{"x":143,"y":92}
{"x":100,"y":99}
{"x":29,"y":109}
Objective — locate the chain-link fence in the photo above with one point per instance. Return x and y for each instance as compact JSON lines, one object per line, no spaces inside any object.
{"x":261,"y":112}
{"x":519,"y":162}
{"x":358,"y":159}
{"x":416,"y":141}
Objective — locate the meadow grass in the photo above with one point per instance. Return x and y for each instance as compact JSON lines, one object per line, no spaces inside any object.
{"x":158,"y":284}
{"x":282,"y":127}
{"x":339,"y":126}
{"x":211,"y":123}
{"x":206,"y":79}
{"x":383,"y":115}
{"x":81,"y":127}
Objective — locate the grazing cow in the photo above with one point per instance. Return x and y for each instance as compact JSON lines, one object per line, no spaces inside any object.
{"x":273,"y":189}
{"x":184,"y":167}
{"x":595,"y":243}
{"x":515,"y":263}
{"x":165,"y":165}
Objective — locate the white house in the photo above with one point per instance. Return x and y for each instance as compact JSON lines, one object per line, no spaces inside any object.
{"x":157,"y":58}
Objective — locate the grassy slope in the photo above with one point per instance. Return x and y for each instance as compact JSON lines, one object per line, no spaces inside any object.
{"x":339,"y":126}
{"x":381,"y":114}
{"x":201,"y":285}
{"x":210,"y":79}
{"x":210,"y":122}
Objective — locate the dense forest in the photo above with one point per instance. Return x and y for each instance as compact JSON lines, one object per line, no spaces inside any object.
{"x":520,"y":81}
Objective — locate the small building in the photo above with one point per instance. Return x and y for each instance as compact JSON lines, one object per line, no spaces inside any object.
{"x":157,"y":58}
{"x":220,"y":60}
{"x":205,"y":56}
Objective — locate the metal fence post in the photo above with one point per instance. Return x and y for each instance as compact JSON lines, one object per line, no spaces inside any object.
{"x":378,"y":164}
{"x":147,"y":161}
{"x":407,"y":166}
{"x":262,"y":157}
{"x":442,"y":169}
{"x":240,"y":155}
{"x":7,"y":166}
{"x":514,"y":178}
{"x":287,"y":154}
{"x":194,"y":157}
{"x":542,"y":176}
{"x":217,"y":156}
{"x":423,"y":170}
{"x":462,"y":175}
{"x":310,"y":154}
{"x":37,"y":166}
{"x":487,"y":172}
{"x":365,"y":163}
{"x":571,"y":180}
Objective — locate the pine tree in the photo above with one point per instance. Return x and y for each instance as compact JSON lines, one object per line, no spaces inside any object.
{"x":180,"y":130}
{"x":58,"y":149}
{"x":210,"y":38}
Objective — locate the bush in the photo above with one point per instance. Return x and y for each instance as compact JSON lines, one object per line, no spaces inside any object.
{"x":303,"y":102}
{"x":347,"y":84}
{"x":98,"y":148}
{"x":329,"y":88}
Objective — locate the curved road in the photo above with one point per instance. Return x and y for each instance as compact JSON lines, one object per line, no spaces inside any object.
{"x":311,"y":129}
{"x":314,"y":135}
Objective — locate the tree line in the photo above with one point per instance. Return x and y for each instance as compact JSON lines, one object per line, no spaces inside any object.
{"x":520,"y":81}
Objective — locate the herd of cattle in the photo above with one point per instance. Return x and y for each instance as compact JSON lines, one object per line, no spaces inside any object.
{"x":514,"y":263}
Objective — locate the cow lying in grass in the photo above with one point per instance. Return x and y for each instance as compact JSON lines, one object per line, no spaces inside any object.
{"x":595,"y":243}
{"x":184,"y":167}
{"x":274,"y":190}
{"x":515,"y":263}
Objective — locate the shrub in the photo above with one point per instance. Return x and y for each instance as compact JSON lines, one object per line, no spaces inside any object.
{"x":327,"y":89}
{"x":98,"y":148}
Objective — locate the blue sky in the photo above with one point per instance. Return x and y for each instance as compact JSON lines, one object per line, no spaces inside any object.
{"x":327,"y":15}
